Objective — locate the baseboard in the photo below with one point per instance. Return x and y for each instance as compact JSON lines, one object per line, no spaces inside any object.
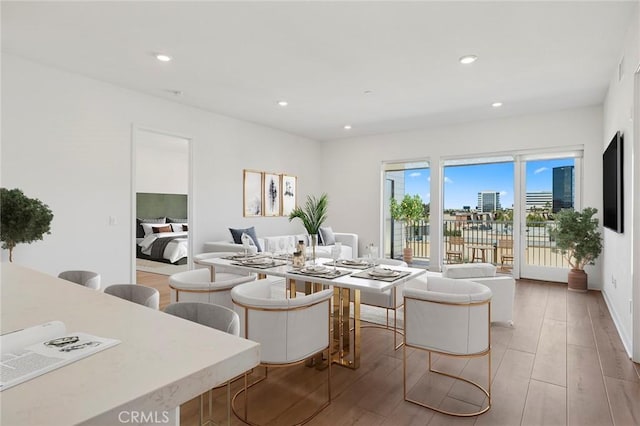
{"x":626,"y":340}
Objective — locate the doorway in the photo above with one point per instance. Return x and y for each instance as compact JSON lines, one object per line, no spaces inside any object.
{"x":549,"y":183}
{"x":161,"y":200}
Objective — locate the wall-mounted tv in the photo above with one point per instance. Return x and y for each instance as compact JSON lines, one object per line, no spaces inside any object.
{"x":612,"y":185}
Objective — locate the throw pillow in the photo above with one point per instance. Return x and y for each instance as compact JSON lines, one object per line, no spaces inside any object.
{"x":236,"y":233}
{"x":185,"y":227}
{"x":159,"y":229}
{"x":327,"y":236}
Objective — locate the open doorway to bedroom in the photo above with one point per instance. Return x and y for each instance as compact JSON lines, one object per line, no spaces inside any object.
{"x":161,"y":202}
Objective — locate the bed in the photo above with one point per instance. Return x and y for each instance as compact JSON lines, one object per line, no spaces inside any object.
{"x":159,"y":236}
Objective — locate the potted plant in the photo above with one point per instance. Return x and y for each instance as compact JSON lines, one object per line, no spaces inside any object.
{"x":577,"y":237}
{"x":22,"y":219}
{"x":408,"y":211}
{"x":312,"y":216}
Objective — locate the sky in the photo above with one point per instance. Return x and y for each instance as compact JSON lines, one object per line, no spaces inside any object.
{"x":462,"y":183}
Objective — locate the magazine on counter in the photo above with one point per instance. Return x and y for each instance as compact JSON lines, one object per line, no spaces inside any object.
{"x":33,"y":351}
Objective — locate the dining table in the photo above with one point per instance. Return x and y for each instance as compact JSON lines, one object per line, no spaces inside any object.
{"x":347,"y":281}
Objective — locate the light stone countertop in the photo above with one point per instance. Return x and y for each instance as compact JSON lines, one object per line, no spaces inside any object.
{"x":162,"y":362}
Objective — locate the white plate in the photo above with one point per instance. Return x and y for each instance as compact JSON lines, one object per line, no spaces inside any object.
{"x":318,"y":268}
{"x":259,"y":261}
{"x":378,"y":272}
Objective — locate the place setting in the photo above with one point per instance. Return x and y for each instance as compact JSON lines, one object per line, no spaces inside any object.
{"x":320,"y":271}
{"x":381,"y":274}
{"x":262,"y":262}
{"x":355,"y":263}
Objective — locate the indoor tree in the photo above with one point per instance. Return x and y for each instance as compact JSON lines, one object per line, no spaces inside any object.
{"x":23,"y":219}
{"x":578,"y":238}
{"x":408,"y":211}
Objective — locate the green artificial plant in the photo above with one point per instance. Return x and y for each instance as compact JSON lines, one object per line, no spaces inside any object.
{"x":23,"y":219}
{"x":577,"y":236}
{"x":408,"y":211}
{"x":312,"y":215}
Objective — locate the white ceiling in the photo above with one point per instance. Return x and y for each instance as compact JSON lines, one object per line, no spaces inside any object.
{"x":240,"y":58}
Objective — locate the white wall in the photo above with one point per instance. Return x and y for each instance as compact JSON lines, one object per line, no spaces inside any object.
{"x":353,"y":162}
{"x":619,"y":248}
{"x":162,"y":163}
{"x":66,"y":140}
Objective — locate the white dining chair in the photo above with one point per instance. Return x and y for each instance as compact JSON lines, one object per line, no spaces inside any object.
{"x":450,"y":317}
{"x":289,"y":331}
{"x":196,"y":286}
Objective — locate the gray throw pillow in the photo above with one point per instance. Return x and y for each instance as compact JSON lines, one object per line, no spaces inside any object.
{"x":326,"y":236}
{"x":174,"y":220}
{"x":236,"y":233}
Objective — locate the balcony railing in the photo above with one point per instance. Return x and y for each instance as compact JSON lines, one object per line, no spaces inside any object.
{"x":495,"y":238}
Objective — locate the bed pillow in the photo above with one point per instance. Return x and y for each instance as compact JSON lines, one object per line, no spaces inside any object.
{"x":159,"y":229}
{"x":178,"y":227}
{"x":139,"y":221}
{"x":326,"y":236}
{"x":174,"y":220}
{"x":185,"y":227}
{"x":236,"y":233}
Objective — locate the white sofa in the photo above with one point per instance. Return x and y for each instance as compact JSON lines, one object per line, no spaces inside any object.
{"x":287,"y":243}
{"x":503,"y":287}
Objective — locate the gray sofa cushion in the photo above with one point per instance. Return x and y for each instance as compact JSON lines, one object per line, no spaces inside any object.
{"x":236,"y":233}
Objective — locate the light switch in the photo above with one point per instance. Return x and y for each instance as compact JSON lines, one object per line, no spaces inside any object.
{"x":113,"y":221}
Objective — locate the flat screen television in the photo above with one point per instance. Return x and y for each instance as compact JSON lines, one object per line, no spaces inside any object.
{"x":612,"y":185}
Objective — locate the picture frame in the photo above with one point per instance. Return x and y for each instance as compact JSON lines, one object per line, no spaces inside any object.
{"x":271,"y":195}
{"x":252,"y":193}
{"x":288,"y":191}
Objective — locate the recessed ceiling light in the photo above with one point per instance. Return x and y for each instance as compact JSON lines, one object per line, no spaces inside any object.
{"x":283,"y":103}
{"x":496,"y":104}
{"x":468,"y":59}
{"x":347,"y":126}
{"x":163,"y":58}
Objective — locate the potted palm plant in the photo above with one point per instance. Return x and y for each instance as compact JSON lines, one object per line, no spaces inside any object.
{"x":409,"y":211}
{"x":312,"y":216}
{"x":22,"y":219}
{"x":578,"y":238}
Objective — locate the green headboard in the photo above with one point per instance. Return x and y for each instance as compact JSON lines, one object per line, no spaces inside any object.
{"x":157,"y":205}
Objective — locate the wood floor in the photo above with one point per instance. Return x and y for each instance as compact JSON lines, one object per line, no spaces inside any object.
{"x":561,"y":363}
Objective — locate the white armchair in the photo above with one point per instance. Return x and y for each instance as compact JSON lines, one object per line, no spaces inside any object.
{"x":196,"y":286}
{"x":503,"y":287}
{"x":289,"y":330}
{"x":450,"y":317}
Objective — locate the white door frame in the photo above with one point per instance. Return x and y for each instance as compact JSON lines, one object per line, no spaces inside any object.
{"x":635,"y":222}
{"x":135,"y":129}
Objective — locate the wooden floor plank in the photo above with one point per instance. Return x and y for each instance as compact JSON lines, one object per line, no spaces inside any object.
{"x":546,"y":405}
{"x":587,"y":402}
{"x":551,"y":356}
{"x":625,"y":400}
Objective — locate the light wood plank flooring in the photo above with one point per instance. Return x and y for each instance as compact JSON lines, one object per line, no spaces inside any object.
{"x":561,"y":364}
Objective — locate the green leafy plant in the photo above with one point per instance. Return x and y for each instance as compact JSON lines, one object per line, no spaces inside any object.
{"x":313,"y":214}
{"x":408,"y":211}
{"x":23,"y":219}
{"x":577,"y":236}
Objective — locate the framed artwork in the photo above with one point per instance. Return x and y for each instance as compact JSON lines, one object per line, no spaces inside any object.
{"x":289,"y":191}
{"x":252,"y":193}
{"x":271,"y":194}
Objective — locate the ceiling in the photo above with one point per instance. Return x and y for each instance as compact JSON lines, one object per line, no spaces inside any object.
{"x":240,"y":58}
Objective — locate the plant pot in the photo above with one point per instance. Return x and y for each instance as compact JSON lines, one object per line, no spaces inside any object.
{"x":407,"y":254}
{"x":577,"y":280}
